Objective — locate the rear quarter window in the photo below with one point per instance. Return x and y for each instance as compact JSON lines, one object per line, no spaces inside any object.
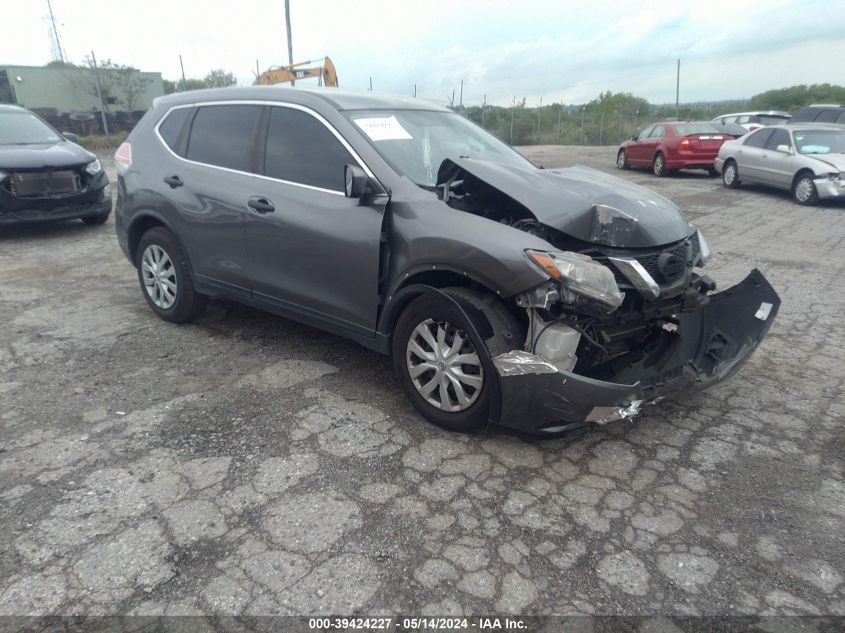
{"x":222,"y":135}
{"x":170,"y":129}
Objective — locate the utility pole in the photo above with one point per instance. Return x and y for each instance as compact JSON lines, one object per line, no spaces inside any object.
{"x":582,"y":125}
{"x":257,"y":71}
{"x":58,"y":41}
{"x":290,"y":43}
{"x":559,"y":110}
{"x":461,"y":101}
{"x":371,"y":83}
{"x":184,"y":81}
{"x":513,"y":111}
{"x":601,"y":129}
{"x":415,"y":91}
{"x":677,"y":88}
{"x":100,"y":97}
{"x":539,"y":105}
{"x":620,"y":126}
{"x":483,"y":108}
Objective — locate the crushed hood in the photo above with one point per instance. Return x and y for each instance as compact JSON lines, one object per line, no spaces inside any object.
{"x":584,"y":203}
{"x":834,"y":160}
{"x":43,"y":156}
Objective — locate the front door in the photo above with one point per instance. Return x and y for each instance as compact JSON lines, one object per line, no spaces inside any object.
{"x":778,"y":167}
{"x":312,"y":251}
{"x":750,"y":156}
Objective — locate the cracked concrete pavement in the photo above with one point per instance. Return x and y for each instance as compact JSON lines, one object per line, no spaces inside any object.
{"x":246,"y":464}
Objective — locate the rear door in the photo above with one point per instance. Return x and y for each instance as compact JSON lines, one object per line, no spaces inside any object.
{"x":652,"y":143}
{"x":313,"y":252}
{"x":750,"y":155}
{"x":215,"y":156}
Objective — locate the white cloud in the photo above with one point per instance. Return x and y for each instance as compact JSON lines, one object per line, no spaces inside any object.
{"x":536,"y":48}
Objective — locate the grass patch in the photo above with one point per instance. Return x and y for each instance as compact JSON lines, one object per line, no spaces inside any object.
{"x":100,"y":142}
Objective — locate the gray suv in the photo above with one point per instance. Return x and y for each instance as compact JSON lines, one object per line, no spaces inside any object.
{"x":542,"y":300}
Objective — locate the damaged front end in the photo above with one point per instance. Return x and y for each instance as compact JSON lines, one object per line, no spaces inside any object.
{"x":625,"y":316}
{"x":546,"y":388}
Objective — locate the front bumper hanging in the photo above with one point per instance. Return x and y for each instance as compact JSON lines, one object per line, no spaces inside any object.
{"x":711,"y":344}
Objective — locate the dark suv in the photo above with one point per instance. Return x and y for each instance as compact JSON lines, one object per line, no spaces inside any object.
{"x":543,"y":300}
{"x":820,"y":113}
{"x":44,"y":176}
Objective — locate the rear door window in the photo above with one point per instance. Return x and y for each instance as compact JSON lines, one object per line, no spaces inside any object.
{"x":222,"y":135}
{"x":758,"y":138}
{"x":170,"y":128}
{"x":827,"y":116}
{"x":659,"y":132}
{"x":303,"y":150}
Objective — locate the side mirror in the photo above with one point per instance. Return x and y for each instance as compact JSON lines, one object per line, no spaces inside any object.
{"x":355,"y":181}
{"x":69,"y":136}
{"x":786,"y":149}
{"x":633,"y":137}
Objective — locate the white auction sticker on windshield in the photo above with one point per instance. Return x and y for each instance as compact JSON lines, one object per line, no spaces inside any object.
{"x":383,"y":128}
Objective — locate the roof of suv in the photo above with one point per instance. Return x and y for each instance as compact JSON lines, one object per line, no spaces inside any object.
{"x":339,"y":99}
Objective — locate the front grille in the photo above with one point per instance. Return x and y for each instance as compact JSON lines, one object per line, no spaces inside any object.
{"x":686,"y":251}
{"x":43,"y":184}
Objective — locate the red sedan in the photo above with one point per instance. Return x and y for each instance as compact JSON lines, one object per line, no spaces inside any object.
{"x":670,"y":145}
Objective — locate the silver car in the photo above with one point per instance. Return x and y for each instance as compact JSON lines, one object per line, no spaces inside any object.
{"x":806,"y":159}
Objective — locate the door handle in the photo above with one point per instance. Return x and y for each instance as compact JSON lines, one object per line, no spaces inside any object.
{"x":261,"y":205}
{"x":174,"y":181}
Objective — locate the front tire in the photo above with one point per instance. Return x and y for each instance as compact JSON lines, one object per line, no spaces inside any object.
{"x":622,"y":160}
{"x":165,"y":277}
{"x":444,"y":370}
{"x":730,"y":175}
{"x":804,"y":189}
{"x":659,"y":165}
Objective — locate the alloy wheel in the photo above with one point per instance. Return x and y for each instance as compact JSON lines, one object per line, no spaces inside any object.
{"x":804,"y":189}
{"x":444,"y":365}
{"x":658,"y":164}
{"x":159,"y":276}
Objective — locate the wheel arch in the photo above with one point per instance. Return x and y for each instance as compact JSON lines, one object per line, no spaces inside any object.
{"x":142,"y":222}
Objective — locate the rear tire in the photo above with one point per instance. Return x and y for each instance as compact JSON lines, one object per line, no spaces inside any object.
{"x":804,"y":189}
{"x":420,"y":362}
{"x":93,"y":220}
{"x":730,"y":175}
{"x":622,"y":160}
{"x":165,"y":277}
{"x":658,"y":166}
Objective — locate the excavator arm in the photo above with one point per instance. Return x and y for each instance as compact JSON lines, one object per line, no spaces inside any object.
{"x":282,"y":74}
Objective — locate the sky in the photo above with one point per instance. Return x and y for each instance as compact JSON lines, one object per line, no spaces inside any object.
{"x":554,"y":50}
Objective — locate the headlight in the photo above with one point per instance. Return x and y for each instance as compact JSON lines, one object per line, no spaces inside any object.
{"x":580,"y":275}
{"x":703,"y":248}
{"x":94,"y":167}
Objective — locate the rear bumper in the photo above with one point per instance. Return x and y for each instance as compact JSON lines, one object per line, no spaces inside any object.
{"x":690,"y":162}
{"x":711,"y":343}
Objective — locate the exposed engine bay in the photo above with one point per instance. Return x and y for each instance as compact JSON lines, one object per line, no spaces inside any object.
{"x":612,"y":339}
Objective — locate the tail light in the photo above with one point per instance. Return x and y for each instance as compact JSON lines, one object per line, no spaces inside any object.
{"x":123,"y":157}
{"x":685,"y":144}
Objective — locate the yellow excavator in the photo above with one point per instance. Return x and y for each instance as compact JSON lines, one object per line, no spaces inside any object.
{"x":280,"y":74}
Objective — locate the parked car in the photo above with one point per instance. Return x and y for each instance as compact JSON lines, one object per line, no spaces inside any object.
{"x":44,"y":176}
{"x":754,"y":120}
{"x":821,"y":113}
{"x":804,"y":158}
{"x":543,"y":300}
{"x":734,"y":130}
{"x":664,"y":147}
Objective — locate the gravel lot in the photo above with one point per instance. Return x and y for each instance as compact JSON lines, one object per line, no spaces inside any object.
{"x":246,"y":464}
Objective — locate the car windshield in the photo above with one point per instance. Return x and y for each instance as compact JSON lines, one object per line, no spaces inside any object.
{"x":24,"y":128}
{"x":685,"y":129}
{"x":820,"y":141}
{"x":415,"y":142}
{"x":771,"y":119}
